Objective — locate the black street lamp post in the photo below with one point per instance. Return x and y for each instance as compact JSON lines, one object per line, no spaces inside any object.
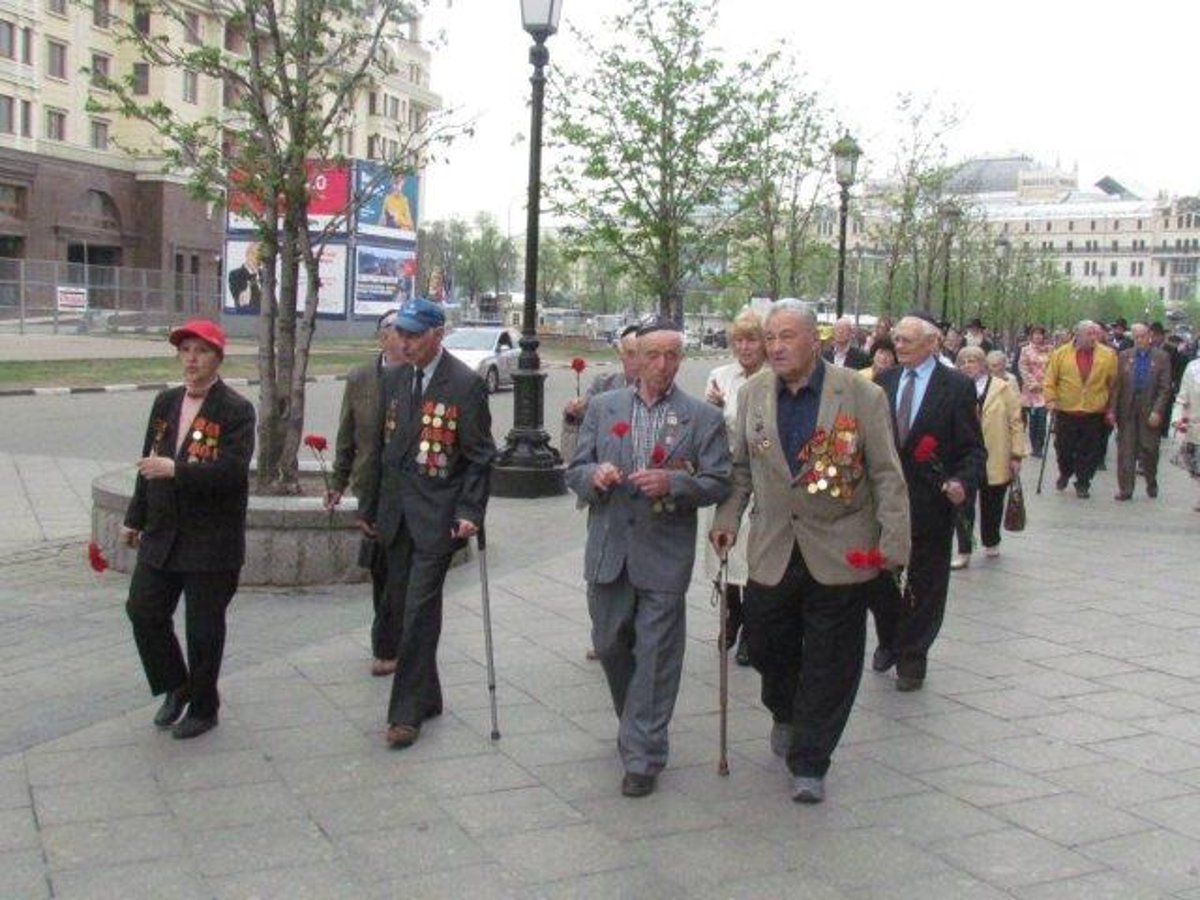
{"x":527,"y":465}
{"x":948,"y":216}
{"x":845,"y":160}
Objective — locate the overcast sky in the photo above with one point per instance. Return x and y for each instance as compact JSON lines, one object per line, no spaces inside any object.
{"x":1064,"y":81}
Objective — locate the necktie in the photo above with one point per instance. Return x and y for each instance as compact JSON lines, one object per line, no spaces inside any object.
{"x":904,"y":407}
{"x":418,"y":387}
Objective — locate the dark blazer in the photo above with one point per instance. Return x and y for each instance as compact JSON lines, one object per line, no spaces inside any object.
{"x":1158,"y":384}
{"x":358,"y":425}
{"x":431,"y":466}
{"x":949,"y":414}
{"x":856,"y":357}
{"x":196,"y":521}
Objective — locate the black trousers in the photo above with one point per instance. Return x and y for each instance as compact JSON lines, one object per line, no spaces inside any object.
{"x":413,"y":595}
{"x":153,"y":596}
{"x":908,"y":626}
{"x":1079,"y":443}
{"x":383,"y":630}
{"x":991,"y":516}
{"x":807,"y":641}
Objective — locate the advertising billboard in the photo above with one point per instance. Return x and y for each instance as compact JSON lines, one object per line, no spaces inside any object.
{"x":242,"y":293}
{"x":388,"y":207}
{"x":328,"y":196}
{"x":383,"y":279}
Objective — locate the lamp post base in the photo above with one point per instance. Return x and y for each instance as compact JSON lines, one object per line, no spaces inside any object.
{"x":523,"y":483}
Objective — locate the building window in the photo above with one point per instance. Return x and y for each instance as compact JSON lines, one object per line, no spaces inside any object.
{"x":1139,"y":224}
{"x":1067,"y":267}
{"x":58,"y":7}
{"x":1070,"y":225}
{"x":1116,"y":224}
{"x":1070,"y":246}
{"x":56,"y":59}
{"x":12,"y":201}
{"x":235,"y":38}
{"x":26,"y":119}
{"x":191,"y":27}
{"x":1093,"y":224}
{"x":99,"y":135}
{"x":141,"y":18}
{"x":56,"y":125}
{"x":8,"y":123}
{"x":100,"y":70}
{"x":1114,"y":246}
{"x":372,"y":100}
{"x":191,"y":86}
{"x":1112,"y":268}
{"x":8,"y":40}
{"x":100,"y":13}
{"x":1047,"y":226}
{"x":141,"y":78}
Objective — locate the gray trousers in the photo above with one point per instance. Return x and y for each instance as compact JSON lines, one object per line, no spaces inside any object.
{"x":1137,"y":443}
{"x":639,"y":636}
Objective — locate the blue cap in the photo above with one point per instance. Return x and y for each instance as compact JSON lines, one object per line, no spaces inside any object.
{"x":418,"y":316}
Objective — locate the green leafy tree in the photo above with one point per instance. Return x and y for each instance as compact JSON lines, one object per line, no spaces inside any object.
{"x":290,"y":71}
{"x":649,"y":145}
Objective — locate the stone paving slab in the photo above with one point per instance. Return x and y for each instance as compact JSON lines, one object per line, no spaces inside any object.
{"x":1054,"y":753}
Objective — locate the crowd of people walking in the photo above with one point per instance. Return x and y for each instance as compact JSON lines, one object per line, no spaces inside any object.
{"x":845,"y":474}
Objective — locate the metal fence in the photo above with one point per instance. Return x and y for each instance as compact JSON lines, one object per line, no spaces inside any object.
{"x":74,"y":295}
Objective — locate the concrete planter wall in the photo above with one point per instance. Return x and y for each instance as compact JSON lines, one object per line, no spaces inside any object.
{"x":289,"y":540}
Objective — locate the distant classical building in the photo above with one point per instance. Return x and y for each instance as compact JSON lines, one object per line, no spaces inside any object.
{"x":68,"y":193}
{"x":1101,"y":236}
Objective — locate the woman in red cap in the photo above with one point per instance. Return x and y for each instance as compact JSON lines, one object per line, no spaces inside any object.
{"x":187,"y":520}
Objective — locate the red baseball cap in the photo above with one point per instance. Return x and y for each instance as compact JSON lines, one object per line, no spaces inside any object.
{"x":209,"y":332}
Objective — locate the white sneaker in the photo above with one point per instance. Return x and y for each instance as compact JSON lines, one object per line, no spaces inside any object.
{"x":992,"y":552}
{"x":960,"y":561}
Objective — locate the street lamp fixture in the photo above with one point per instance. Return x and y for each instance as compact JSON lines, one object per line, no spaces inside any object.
{"x":948,"y":217}
{"x":528,"y":466}
{"x":845,"y":162}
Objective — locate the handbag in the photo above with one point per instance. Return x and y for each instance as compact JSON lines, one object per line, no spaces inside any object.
{"x":1185,"y":457}
{"x":1014,"y":507}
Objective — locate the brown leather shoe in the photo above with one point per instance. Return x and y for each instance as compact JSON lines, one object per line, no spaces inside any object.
{"x":381,"y":667}
{"x":401,"y":736}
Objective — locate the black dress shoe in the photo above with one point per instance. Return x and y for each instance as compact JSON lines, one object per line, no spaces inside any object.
{"x":635,"y":785}
{"x":193,"y":726}
{"x":907,"y":683}
{"x":1152,"y":489}
{"x":1082,"y":491}
{"x":882,"y":659}
{"x":172,"y":708}
{"x":1061,"y":483}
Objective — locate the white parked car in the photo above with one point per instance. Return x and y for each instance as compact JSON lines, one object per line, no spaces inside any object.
{"x":488,"y":349}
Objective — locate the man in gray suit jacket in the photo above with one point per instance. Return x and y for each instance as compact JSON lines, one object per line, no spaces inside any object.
{"x":424,"y":495}
{"x":649,"y":456}
{"x":358,"y":432}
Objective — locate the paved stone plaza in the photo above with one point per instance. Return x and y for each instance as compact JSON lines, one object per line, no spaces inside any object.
{"x":1054,"y":753}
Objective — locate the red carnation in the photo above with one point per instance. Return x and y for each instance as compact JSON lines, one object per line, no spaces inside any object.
{"x":620,"y":429}
{"x":658,"y":455}
{"x":875,"y":559}
{"x":96,"y":557}
{"x":578,"y":364}
{"x":926,"y":449}
{"x":856,"y":559}
{"x":316,"y":442}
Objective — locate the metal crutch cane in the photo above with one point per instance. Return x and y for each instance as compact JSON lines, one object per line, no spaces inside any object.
{"x":481,"y":543}
{"x":1047,"y":443}
{"x":722,"y":585}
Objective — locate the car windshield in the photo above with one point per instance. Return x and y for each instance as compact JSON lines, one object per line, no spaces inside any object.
{"x":464,"y":339}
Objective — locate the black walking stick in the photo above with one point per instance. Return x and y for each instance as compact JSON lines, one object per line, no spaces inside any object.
{"x":1047,"y":443}
{"x":721,"y":587}
{"x":481,"y":543}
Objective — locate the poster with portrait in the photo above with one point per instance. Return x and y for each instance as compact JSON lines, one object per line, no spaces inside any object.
{"x":388,"y":205}
{"x":243,"y":279}
{"x":383,"y":279}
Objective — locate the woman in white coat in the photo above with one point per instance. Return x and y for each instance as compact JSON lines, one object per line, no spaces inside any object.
{"x":750,"y":352}
{"x":1187,"y":418}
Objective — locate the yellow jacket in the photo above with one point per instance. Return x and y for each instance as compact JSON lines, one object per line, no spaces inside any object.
{"x":1065,"y":389}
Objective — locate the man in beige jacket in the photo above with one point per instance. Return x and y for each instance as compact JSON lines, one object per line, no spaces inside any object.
{"x":813,"y":445}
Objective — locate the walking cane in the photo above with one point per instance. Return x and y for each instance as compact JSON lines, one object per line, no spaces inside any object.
{"x":722,"y":585}
{"x":481,"y":543}
{"x":1046,"y":445}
